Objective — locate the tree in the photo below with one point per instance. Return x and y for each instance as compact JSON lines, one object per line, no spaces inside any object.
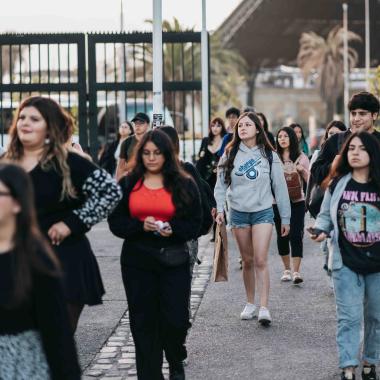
{"x":325,"y":58}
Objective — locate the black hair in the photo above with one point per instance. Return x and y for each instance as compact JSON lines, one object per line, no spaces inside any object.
{"x":175,"y":178}
{"x":364,"y":100}
{"x":265,"y":121}
{"x":335,"y":123}
{"x":295,"y":125}
{"x":294,"y":146}
{"x":233,"y":111}
{"x":173,"y":135}
{"x":249,"y":109}
{"x":215,"y":120}
{"x":343,"y":167}
{"x":31,"y":252}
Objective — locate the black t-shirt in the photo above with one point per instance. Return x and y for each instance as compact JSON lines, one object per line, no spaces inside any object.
{"x":359,"y":227}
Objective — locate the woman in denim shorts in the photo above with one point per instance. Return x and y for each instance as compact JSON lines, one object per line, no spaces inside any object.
{"x":253,"y":173}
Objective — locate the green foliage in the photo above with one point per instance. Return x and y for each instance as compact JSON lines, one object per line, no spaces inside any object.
{"x":375,"y":82}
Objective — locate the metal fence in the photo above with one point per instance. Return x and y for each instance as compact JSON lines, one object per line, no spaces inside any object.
{"x":47,"y":64}
{"x":103,"y":79}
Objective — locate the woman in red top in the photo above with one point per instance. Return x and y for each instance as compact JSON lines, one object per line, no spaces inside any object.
{"x":160,"y":211}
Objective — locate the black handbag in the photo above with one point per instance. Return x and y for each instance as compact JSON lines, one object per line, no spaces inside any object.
{"x":315,"y":201}
{"x":173,"y":256}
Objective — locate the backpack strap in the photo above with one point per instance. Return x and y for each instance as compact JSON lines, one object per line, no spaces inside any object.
{"x":269,"y":153}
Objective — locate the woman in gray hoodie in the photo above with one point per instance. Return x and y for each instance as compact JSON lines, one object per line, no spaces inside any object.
{"x":253,"y":173}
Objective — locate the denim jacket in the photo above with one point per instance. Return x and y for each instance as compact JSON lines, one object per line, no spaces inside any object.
{"x":327,"y":220}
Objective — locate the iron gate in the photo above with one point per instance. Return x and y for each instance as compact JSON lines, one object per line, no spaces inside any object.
{"x":114,"y":84}
{"x":45,"y":64}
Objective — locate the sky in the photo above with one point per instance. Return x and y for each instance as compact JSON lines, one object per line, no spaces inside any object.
{"x":104,"y":15}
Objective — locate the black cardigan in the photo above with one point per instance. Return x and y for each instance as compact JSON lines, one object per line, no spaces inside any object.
{"x":131,"y":229}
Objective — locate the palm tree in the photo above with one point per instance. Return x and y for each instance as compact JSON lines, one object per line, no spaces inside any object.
{"x":324,"y":57}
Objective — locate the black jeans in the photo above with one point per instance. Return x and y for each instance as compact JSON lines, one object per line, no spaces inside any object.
{"x":158,"y":301}
{"x":295,"y":237}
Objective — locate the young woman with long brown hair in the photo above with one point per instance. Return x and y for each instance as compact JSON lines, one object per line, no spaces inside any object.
{"x":35,"y":332}
{"x":252,"y":171}
{"x":71,"y":195}
{"x":160,"y":211}
{"x":350,"y":213}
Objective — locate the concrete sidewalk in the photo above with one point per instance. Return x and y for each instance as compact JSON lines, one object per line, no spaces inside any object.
{"x":299,"y":345}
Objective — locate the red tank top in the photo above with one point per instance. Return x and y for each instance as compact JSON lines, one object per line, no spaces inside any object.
{"x":145,"y":202}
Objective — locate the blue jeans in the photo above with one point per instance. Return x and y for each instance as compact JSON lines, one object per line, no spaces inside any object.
{"x":356,"y":296}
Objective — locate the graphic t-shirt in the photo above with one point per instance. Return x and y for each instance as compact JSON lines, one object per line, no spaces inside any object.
{"x":359,"y":227}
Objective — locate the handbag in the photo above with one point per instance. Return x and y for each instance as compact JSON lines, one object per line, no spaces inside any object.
{"x":174,"y":255}
{"x":220,"y":265}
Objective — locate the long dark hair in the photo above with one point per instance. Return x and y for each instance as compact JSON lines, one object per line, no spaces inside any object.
{"x":60,"y":127}
{"x":294,"y":146}
{"x":233,"y":147}
{"x":216,"y":120}
{"x":295,"y":125}
{"x":265,"y":121}
{"x":335,"y":123}
{"x":175,"y":178}
{"x":343,"y":167}
{"x":29,"y":244}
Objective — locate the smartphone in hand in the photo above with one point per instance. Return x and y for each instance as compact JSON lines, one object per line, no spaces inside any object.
{"x":316,"y":231}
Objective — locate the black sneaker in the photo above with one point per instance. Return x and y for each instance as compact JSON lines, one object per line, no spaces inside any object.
{"x":371,"y":375}
{"x":343,"y":376}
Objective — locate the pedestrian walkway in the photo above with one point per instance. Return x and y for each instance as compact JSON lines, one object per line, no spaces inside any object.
{"x":299,"y":345}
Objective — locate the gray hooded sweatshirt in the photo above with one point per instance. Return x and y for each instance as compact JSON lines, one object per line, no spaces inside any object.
{"x":250,"y":189}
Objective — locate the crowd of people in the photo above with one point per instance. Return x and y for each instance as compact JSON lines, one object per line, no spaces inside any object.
{"x":52,"y":193}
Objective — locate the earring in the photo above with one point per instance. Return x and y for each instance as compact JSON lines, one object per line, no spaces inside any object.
{"x":47,"y":141}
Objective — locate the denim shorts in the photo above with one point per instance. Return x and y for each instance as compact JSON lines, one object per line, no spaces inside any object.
{"x":241,"y":219}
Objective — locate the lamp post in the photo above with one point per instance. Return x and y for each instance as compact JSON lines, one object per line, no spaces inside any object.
{"x":157,"y":64}
{"x":367,"y":46}
{"x":205,"y":78}
{"x":345,"y":62}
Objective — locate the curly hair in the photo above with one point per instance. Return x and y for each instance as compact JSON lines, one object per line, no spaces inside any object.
{"x":60,"y":127}
{"x":233,"y":147}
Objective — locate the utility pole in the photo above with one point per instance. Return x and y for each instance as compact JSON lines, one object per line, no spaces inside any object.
{"x":123,"y":69}
{"x":345,"y":62}
{"x":205,"y":78}
{"x":367,"y":46}
{"x":157,"y":64}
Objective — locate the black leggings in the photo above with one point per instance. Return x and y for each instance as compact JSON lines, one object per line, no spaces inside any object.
{"x":295,"y":237}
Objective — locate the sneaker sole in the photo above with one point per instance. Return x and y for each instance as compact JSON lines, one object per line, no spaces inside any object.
{"x":297,"y":281}
{"x":286,"y":279}
{"x":247,"y":318}
{"x":265,"y":322}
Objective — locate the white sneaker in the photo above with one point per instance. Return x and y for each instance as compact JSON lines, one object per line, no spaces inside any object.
{"x":248,"y":311}
{"x":287,"y":275}
{"x":264,"y":316}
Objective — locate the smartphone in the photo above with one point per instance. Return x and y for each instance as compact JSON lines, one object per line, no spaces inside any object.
{"x":316,"y":231}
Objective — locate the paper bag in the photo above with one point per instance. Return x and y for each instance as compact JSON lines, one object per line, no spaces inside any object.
{"x":220,"y":266}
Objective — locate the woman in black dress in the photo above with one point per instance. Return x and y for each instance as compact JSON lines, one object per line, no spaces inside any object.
{"x":35,"y":332}
{"x":208,"y":153}
{"x":71,"y":195}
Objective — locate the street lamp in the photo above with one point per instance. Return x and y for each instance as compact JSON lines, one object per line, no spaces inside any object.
{"x":345,"y":62}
